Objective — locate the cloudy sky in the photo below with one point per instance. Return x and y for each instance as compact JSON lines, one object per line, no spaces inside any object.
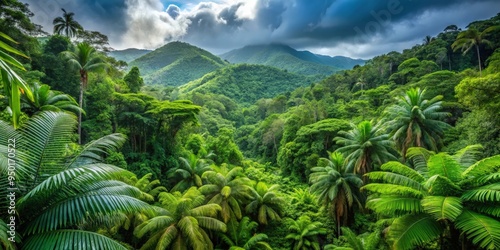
{"x":355,"y":28}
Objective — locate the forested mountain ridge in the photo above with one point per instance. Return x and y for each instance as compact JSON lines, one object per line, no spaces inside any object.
{"x":176,"y":63}
{"x":246,"y":83}
{"x":284,"y":57}
{"x":400,"y":153}
{"x":128,"y":55}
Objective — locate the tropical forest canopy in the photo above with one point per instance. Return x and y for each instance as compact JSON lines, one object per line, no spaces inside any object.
{"x":178,"y":148}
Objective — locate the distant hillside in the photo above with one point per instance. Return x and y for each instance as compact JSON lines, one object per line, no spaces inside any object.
{"x":247,"y":83}
{"x":285,"y":57}
{"x":128,"y":55}
{"x":176,"y":63}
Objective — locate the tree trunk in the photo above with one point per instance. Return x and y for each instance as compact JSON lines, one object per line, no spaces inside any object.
{"x":479,"y":60}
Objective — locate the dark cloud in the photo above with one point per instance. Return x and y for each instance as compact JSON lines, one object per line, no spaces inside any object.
{"x":105,"y":16}
{"x":358,"y":28}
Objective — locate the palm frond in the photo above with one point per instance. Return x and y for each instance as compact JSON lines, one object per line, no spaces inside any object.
{"x":94,"y":151}
{"x":483,"y":167}
{"x":71,"y":239}
{"x":484,"y":231}
{"x":468,"y":155}
{"x":442,"y":208}
{"x":444,"y":165}
{"x":412,"y":230}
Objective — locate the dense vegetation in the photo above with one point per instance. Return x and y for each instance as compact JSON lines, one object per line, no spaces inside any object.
{"x":400,"y":153}
{"x":176,"y":63}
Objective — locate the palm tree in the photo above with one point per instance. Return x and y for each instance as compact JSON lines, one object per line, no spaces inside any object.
{"x":336,"y":187}
{"x":66,"y":24}
{"x":151,"y":189}
{"x":46,"y":99}
{"x":470,"y":38}
{"x":185,"y":224}
{"x":190,"y":170}
{"x":56,"y":195}
{"x":416,"y":121}
{"x":13,"y":84}
{"x":266,"y":204}
{"x":86,"y":59}
{"x":242,"y":236}
{"x":357,"y":242}
{"x":428,"y":39}
{"x":365,"y":146}
{"x":304,"y":233}
{"x":228,"y":189}
{"x":448,"y":201}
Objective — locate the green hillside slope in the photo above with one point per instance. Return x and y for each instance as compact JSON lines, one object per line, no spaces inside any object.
{"x":176,"y":63}
{"x":247,"y":83}
{"x":285,"y":57}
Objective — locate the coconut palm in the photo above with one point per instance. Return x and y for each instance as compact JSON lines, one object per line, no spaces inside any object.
{"x":267,"y":205}
{"x":447,"y":201}
{"x":242,"y":236}
{"x":366,"y":146}
{"x":57,"y":195}
{"x":190,"y":170}
{"x":416,"y":122}
{"x":336,"y":187}
{"x":472,"y":38}
{"x":184,"y":226}
{"x":13,"y":84}
{"x":304,"y":233}
{"x":228,"y":189}
{"x":86,"y":59}
{"x":66,"y":24}
{"x":46,"y":99}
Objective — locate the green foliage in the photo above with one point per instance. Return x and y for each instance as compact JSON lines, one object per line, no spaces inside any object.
{"x":311,"y":139}
{"x":246,"y":83}
{"x":53,"y":190}
{"x":447,"y":195}
{"x":176,"y":63}
{"x":416,"y":121}
{"x":242,"y":236}
{"x":134,"y":80}
{"x":185,"y":225}
{"x":366,"y":147}
{"x":304,"y":233}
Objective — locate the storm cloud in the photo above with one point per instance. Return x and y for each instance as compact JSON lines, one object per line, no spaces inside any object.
{"x":356,"y":28}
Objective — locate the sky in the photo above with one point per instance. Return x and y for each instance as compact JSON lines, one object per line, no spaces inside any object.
{"x":353,"y":28}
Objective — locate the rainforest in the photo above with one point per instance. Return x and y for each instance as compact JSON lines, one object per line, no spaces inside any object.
{"x":259,"y":147}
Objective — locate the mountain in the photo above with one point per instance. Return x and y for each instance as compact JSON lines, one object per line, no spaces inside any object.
{"x":247,"y":83}
{"x":285,"y":57}
{"x":128,"y":55}
{"x":176,"y":63}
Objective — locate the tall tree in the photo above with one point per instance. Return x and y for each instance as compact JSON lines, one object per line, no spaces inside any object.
{"x":336,"y":187}
{"x":66,"y":24}
{"x":134,"y":80}
{"x":86,"y":59}
{"x":365,"y":146}
{"x":416,"y":122}
{"x":445,"y":198}
{"x":266,"y":203}
{"x":472,"y":38}
{"x":228,"y":189}
{"x":186,"y":224}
